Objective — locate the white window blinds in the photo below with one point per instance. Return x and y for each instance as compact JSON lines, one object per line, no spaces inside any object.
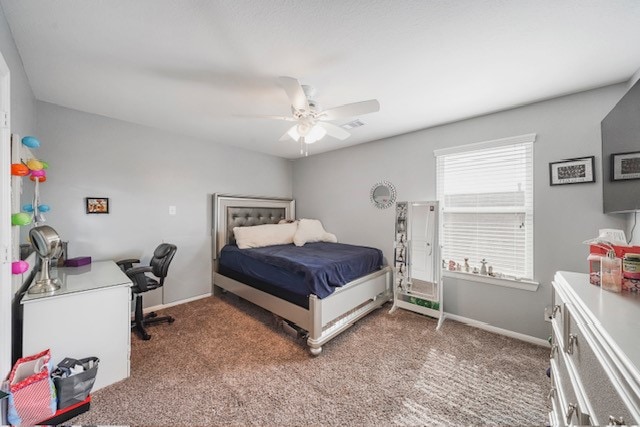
{"x":486,"y":193}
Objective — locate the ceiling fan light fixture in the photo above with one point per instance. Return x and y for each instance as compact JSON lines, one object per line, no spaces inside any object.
{"x":315,"y":134}
{"x":313,"y":123}
{"x":293,"y":133}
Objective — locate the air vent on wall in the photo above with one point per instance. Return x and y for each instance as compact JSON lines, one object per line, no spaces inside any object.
{"x":354,"y":124}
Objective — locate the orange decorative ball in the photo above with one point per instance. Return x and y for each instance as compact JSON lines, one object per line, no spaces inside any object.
{"x":39,"y":178}
{"x":18,"y":169}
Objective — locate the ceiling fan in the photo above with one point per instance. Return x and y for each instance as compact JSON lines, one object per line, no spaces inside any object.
{"x":312,"y":122}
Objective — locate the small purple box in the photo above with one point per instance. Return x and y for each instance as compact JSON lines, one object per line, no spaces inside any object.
{"x":77,"y":261}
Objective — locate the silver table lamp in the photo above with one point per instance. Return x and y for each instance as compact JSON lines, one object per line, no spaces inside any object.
{"x":47,"y":244}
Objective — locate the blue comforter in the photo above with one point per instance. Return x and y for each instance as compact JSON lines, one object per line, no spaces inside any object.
{"x":321,"y":266}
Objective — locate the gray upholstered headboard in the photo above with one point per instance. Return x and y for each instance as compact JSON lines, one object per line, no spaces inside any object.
{"x":238,"y":216}
{"x":239,"y":211}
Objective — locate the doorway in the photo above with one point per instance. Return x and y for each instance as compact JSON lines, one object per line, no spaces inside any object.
{"x":6,"y":288}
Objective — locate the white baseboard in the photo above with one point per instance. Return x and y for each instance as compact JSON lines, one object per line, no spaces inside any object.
{"x":487,"y":327}
{"x":171,"y":304}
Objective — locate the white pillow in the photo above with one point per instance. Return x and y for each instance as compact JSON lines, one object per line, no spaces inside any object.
{"x":311,"y":230}
{"x":258,"y":236}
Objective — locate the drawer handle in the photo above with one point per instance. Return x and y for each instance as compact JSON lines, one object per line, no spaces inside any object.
{"x":573,"y":338}
{"x":613,"y":421}
{"x":570,"y":411}
{"x":556,"y":309}
{"x":554,"y":348}
{"x":552,"y":393}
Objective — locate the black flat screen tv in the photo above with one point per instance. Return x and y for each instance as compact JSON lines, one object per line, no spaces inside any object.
{"x":621,"y":154}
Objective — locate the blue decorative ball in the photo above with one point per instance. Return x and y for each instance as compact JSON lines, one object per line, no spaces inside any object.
{"x":31,"y":142}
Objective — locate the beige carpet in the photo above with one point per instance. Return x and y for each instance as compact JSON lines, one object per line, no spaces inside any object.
{"x":225,"y":362}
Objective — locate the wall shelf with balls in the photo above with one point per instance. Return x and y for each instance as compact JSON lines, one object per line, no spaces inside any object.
{"x":25,"y":163}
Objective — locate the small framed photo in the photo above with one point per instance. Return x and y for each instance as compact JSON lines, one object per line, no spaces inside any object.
{"x":572,"y":171}
{"x":625,"y":166}
{"x":97,"y":205}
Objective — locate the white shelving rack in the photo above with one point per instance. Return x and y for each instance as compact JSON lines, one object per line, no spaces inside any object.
{"x":417,"y":275}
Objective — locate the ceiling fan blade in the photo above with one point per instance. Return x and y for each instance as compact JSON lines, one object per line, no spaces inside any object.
{"x":288,"y":119}
{"x":351,"y":110}
{"x":295,"y":93}
{"x":258,"y":116}
{"x":334,"y":131}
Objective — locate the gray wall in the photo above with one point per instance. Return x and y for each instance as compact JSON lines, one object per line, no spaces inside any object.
{"x":633,"y":229}
{"x":334,"y":187}
{"x":142,"y":171}
{"x":23,"y":103}
{"x":23,"y":121}
{"x":23,"y":109}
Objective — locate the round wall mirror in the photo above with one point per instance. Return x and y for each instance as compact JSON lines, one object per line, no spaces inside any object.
{"x":383,"y":195}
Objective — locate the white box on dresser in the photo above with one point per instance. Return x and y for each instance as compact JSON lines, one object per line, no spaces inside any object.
{"x":595,"y":354}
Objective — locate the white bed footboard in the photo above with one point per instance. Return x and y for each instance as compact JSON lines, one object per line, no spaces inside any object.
{"x":325,"y":318}
{"x":340,"y":310}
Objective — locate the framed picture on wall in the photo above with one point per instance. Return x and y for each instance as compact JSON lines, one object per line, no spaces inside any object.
{"x":97,"y":205}
{"x":625,"y":166}
{"x":572,"y":171}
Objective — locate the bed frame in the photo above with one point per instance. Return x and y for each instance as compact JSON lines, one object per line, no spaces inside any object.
{"x":325,"y":318}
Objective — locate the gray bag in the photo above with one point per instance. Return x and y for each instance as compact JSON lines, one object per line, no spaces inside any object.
{"x":75,"y":388}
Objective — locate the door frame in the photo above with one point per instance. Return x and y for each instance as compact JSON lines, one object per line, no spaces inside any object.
{"x":6,"y":286}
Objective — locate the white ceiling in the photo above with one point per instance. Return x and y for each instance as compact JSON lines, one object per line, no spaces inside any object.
{"x":194,"y":66}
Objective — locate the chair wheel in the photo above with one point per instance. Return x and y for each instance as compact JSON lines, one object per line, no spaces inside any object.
{"x":152,"y":315}
{"x":146,"y":337}
{"x":171,"y":320}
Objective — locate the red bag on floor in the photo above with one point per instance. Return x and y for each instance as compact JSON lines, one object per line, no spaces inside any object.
{"x":32,"y":397}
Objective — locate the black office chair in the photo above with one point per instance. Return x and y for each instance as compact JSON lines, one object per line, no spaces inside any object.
{"x":159,"y":267}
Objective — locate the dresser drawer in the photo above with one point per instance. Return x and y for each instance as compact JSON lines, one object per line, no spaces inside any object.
{"x":595,"y":378}
{"x":555,"y":416}
{"x":570,"y":403}
{"x":558,"y":314}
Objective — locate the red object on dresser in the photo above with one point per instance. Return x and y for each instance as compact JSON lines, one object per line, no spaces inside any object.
{"x":595,"y":252}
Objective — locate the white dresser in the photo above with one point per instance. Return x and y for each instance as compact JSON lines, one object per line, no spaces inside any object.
{"x":595,"y":354}
{"x":90,"y":315}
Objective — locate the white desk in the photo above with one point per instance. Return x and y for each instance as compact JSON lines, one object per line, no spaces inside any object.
{"x":90,"y":315}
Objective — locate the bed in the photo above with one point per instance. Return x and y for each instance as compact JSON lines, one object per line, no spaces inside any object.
{"x":319,"y":313}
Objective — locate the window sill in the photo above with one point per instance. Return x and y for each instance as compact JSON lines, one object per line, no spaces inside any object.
{"x":525,"y":285}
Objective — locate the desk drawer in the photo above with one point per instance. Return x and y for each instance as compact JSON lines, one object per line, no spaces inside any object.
{"x":596,"y":379}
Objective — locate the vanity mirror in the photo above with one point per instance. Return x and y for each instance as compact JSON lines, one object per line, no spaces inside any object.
{"x":417,"y":282}
{"x":383,"y":195}
{"x":47,"y":244}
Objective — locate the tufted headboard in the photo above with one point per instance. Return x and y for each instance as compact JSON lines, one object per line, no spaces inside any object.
{"x":245,"y":217}
{"x":239,"y":211}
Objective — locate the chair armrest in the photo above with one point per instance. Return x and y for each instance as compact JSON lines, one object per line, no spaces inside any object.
{"x":138,"y":270}
{"x":126,"y":264}
{"x":138,"y":277}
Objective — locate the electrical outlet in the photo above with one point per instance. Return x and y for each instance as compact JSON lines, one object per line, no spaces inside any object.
{"x":548,"y":313}
{"x":172,"y":210}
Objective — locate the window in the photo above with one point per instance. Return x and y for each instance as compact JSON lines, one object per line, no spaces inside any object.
{"x":486,"y":194}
